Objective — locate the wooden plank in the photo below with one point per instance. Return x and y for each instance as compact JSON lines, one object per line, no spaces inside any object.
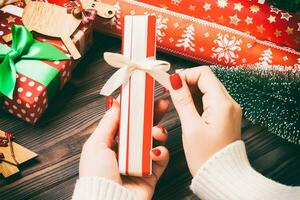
{"x":59,"y":135}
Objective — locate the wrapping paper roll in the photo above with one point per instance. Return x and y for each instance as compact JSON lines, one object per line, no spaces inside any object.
{"x":215,"y":32}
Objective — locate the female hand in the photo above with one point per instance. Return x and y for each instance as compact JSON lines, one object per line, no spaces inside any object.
{"x":98,"y":156}
{"x":210,"y":118}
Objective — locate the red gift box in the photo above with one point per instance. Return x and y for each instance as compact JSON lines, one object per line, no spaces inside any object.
{"x":136,"y":99}
{"x":31,"y":98}
{"x":185,"y":29}
{"x":137,"y":69}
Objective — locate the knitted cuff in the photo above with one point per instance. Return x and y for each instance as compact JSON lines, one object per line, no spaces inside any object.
{"x":229,"y":175}
{"x":96,"y":188}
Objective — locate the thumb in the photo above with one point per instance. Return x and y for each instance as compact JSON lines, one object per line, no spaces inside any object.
{"x":183,"y":101}
{"x":160,"y":156}
{"x":108,"y":126}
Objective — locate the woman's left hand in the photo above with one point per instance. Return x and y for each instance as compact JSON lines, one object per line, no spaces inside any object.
{"x":98,"y":157}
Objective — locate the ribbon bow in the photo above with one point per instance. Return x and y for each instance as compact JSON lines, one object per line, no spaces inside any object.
{"x":87,"y":15}
{"x":24,"y":46}
{"x":155,"y":68}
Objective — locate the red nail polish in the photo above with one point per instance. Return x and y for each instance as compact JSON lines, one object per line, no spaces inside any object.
{"x":2,"y":156}
{"x":162,"y":128}
{"x":9,"y":135}
{"x":175,"y":81}
{"x":156,"y":152}
{"x":109,"y":102}
{"x":3,"y":143}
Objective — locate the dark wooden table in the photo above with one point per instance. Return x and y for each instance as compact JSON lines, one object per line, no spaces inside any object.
{"x":59,"y":135}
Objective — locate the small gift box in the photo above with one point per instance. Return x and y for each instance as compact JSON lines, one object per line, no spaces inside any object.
{"x":135,"y":76}
{"x":34,"y":80}
{"x":227,"y":32}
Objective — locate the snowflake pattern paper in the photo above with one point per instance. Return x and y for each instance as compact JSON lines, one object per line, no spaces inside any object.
{"x":224,"y":32}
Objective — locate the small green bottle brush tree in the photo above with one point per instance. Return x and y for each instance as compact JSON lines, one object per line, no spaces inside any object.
{"x":268,"y":97}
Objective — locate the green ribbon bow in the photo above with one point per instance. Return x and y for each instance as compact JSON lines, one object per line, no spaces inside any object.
{"x":25,"y":51}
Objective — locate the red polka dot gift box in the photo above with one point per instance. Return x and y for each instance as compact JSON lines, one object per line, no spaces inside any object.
{"x":223,"y":32}
{"x":33,"y":86}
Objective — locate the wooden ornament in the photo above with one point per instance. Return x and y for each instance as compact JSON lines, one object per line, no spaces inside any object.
{"x":7,"y":2}
{"x":52,"y":20}
{"x":21,"y":155}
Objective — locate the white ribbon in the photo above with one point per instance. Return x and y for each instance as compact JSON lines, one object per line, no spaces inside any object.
{"x":155,"y":68}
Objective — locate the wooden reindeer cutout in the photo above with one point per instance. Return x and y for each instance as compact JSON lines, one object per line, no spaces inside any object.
{"x":7,"y":2}
{"x":52,"y":20}
{"x":12,"y":154}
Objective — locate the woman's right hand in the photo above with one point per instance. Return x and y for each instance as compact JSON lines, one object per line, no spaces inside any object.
{"x":210,"y":118}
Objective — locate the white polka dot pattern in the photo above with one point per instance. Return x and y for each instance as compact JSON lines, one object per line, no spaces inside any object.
{"x":29,"y":102}
{"x":20,"y":89}
{"x":28,"y":94}
{"x":31,"y":83}
{"x":39,"y":88}
{"x":30,"y":97}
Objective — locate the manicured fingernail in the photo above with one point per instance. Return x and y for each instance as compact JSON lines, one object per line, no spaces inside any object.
{"x":2,"y":156}
{"x":162,"y":128}
{"x":156,"y":152}
{"x":9,"y":135}
{"x":109,"y":102}
{"x":175,"y":81}
{"x":3,"y":143}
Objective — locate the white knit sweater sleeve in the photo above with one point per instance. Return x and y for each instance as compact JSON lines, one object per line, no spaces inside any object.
{"x":229,"y":175}
{"x":96,"y":188}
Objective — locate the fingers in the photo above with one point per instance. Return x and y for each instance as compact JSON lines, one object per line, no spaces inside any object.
{"x":183,"y":101}
{"x":160,"y":134}
{"x":206,"y":80}
{"x":108,"y":126}
{"x":160,"y":158}
{"x":160,"y":108}
{"x":214,"y":94}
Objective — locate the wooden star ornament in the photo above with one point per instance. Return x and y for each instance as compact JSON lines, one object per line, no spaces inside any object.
{"x":12,"y":154}
{"x":10,"y":19}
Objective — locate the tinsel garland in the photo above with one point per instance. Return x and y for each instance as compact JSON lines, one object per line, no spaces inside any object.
{"x":268,"y":97}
